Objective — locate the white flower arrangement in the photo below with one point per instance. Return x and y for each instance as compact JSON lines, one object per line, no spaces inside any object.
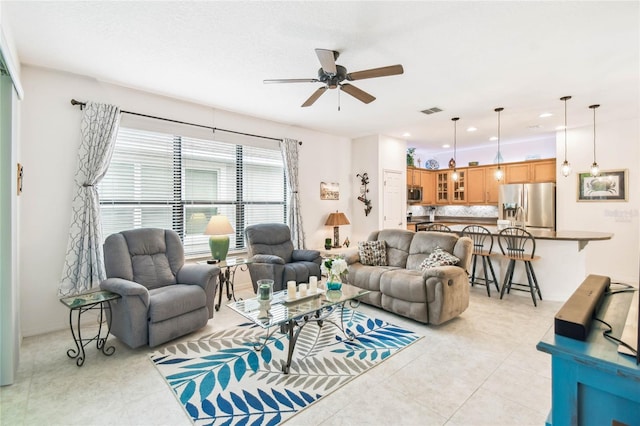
{"x":333,"y":268}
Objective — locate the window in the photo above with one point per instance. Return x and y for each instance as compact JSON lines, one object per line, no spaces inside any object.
{"x":176,"y":182}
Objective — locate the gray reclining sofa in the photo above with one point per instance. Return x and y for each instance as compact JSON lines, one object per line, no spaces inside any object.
{"x":432,"y":296}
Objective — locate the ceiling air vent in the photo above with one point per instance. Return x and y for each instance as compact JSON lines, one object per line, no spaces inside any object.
{"x":431,"y":110}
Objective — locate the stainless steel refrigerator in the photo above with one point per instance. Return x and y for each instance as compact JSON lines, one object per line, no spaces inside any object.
{"x":530,"y":204}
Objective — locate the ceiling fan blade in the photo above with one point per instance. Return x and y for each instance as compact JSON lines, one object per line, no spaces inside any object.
{"x":376,"y":72}
{"x":314,"y":97}
{"x":327,"y":60}
{"x":359,"y":94}
{"x":292,"y":80}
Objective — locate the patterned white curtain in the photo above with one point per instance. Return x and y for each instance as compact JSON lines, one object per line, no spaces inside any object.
{"x":289,"y":148}
{"x":84,"y":265}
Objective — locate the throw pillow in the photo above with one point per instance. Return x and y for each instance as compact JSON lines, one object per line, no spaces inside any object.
{"x":373,"y":253}
{"x":438,"y":257}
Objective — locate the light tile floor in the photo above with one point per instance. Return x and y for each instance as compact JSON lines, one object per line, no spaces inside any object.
{"x":481,"y":368}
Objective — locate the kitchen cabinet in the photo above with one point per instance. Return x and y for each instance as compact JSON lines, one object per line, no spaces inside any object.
{"x":413,"y":176}
{"x":459,"y":188}
{"x":448,"y":191}
{"x":531,"y":171}
{"x":477,"y":185}
{"x":516,"y":173}
{"x":543,"y":171}
{"x":428,"y":187}
{"x":491,"y":185}
{"x":476,"y":193}
{"x":442,"y":187}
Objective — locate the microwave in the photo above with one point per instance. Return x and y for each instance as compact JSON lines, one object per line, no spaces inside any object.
{"x":414,"y":193}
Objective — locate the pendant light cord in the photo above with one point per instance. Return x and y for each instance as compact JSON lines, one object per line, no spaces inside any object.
{"x":594,"y":131}
{"x":498,"y":110}
{"x":565,"y":127}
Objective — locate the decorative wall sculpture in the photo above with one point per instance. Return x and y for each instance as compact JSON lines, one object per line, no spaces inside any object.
{"x":364,"y":181}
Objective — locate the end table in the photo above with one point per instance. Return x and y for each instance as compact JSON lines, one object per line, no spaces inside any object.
{"x":81,"y":303}
{"x":227,"y":276}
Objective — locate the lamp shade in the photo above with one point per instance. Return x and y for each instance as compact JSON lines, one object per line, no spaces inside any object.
{"x":337,"y":219}
{"x":218,"y":225}
{"x":219,"y":229}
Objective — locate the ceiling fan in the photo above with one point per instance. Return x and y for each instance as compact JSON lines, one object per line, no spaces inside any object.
{"x":333,"y":75}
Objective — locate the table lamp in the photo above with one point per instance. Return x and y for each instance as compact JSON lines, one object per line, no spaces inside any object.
{"x":336,"y":219}
{"x":219,"y":229}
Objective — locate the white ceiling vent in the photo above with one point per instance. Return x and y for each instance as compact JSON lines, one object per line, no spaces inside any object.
{"x":431,"y":110}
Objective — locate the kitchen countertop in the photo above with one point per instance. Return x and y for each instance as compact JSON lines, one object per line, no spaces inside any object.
{"x":457,"y":224}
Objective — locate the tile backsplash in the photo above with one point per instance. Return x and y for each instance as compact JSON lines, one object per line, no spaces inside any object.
{"x":456,"y":211}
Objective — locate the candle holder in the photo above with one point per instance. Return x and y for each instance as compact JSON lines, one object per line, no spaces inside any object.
{"x":265,"y":294}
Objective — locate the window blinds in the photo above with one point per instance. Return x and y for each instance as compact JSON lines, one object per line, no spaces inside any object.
{"x":169,"y":181}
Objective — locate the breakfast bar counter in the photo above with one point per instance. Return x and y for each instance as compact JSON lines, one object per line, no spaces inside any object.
{"x":563,"y":261}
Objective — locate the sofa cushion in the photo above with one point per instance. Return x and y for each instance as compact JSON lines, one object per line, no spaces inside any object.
{"x":373,"y":253}
{"x":439,"y":257}
{"x":425,"y":243}
{"x":174,"y":300}
{"x":398,"y":242}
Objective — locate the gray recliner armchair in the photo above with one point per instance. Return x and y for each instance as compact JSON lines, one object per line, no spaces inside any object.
{"x":273,"y":256}
{"x":162,"y":297}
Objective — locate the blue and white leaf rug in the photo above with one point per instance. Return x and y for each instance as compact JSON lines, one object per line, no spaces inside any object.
{"x":221,"y":379}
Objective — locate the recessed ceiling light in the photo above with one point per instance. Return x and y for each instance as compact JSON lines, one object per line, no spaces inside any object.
{"x":545,"y":115}
{"x":406,"y":134}
{"x":493,"y":138}
{"x":471,"y":129}
{"x":534,"y":126}
{"x":446,"y":145}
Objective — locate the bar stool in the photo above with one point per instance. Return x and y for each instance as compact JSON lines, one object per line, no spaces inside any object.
{"x":517,"y":244}
{"x":482,"y":239}
{"x":432,"y":227}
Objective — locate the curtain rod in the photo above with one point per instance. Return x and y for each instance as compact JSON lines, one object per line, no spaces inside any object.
{"x":82,"y":104}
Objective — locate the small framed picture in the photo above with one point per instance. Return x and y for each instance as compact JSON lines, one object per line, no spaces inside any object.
{"x":609,"y":185}
{"x":329,"y":191}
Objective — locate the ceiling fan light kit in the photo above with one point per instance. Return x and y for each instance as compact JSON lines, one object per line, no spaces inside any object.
{"x":333,"y":75}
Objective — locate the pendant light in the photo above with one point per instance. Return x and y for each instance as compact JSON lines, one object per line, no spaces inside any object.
{"x":454,"y":175}
{"x":595,"y":169}
{"x":498,"y":175}
{"x":566,"y":167}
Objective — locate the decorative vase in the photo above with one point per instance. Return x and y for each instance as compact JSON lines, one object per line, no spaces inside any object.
{"x":334,"y":295}
{"x":334,"y":282}
{"x":265,"y":289}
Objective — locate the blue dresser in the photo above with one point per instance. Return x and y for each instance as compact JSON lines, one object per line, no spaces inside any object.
{"x":592,"y":384}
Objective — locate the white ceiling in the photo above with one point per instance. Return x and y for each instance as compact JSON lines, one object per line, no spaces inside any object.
{"x":464,"y":57}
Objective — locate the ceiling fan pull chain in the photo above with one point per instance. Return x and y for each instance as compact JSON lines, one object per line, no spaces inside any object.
{"x":339,"y":90}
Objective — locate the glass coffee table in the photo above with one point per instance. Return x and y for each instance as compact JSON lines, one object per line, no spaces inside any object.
{"x":291,"y":315}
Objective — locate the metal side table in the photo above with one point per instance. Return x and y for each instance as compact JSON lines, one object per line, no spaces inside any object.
{"x":227,"y":277}
{"x":81,"y":303}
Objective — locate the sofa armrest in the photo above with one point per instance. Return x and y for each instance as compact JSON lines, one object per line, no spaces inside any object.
{"x":267,"y":258}
{"x":205,"y":276}
{"x":126,"y":288}
{"x":195,"y":274}
{"x":352,"y":257}
{"x":444,"y":272}
{"x":463,"y":250}
{"x":305,"y":255}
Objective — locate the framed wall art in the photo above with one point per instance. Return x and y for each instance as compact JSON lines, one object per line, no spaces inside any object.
{"x":329,"y":191}
{"x":610,"y":185}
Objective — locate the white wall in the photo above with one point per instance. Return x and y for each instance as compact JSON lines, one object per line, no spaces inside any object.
{"x":617,"y":147}
{"x":365,"y":159}
{"x":49,"y":142}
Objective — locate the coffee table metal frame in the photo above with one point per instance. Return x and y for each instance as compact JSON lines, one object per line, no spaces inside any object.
{"x":290,"y":316}
{"x":81,"y":303}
